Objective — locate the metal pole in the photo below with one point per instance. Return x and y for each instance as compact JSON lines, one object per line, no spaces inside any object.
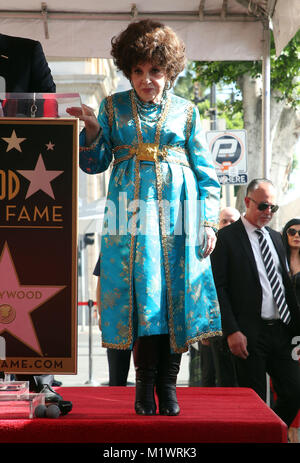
{"x":213,"y":107}
{"x":227,"y":192}
{"x":266,"y":98}
{"x":266,"y":143}
{"x":90,"y":380}
{"x":213,"y":126}
{"x":83,"y":282}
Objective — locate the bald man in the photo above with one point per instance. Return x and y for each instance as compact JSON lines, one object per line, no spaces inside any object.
{"x":228,"y":215}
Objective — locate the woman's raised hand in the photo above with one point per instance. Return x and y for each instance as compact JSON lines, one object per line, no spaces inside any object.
{"x":87,"y":115}
{"x":211,"y":241}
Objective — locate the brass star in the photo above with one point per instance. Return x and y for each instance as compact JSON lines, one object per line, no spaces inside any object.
{"x":50,"y":146}
{"x":13,"y":142}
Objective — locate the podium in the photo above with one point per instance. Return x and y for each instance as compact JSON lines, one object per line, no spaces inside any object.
{"x":38,"y":234}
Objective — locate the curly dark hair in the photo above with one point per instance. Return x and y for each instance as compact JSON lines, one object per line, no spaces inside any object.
{"x":149,"y":41}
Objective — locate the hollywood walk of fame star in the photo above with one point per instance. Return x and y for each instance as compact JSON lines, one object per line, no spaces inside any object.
{"x":40,"y":178}
{"x":17,"y":301}
{"x":50,"y":146}
{"x":13,"y":142}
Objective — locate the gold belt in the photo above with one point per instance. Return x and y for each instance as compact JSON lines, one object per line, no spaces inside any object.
{"x":150,"y":152}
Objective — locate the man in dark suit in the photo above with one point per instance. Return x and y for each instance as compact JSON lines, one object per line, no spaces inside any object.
{"x":258,"y":335}
{"x":24,"y":68}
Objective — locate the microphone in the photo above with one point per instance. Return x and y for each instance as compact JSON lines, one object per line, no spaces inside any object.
{"x":40,"y":411}
{"x":53,"y":410}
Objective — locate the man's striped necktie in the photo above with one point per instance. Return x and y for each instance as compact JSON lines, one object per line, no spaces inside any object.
{"x":278,"y":294}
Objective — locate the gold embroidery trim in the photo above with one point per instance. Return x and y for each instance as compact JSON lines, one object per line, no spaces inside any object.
{"x":110,"y":111}
{"x":181,"y":162}
{"x":180,"y":350}
{"x":136,"y":118}
{"x":210,"y":334}
{"x":132,"y":248}
{"x":213,"y":225}
{"x":94,"y":144}
{"x":146,"y":151}
{"x":170,"y":159}
{"x":151,"y":152}
{"x":190,"y":111}
{"x":121,"y":147}
{"x":163,"y":150}
{"x":162,"y":224}
{"x":121,"y":159}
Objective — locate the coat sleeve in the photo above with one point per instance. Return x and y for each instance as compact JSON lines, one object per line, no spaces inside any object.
{"x":41,"y":79}
{"x":220,"y":261}
{"x":98,"y":158}
{"x":203,"y":166}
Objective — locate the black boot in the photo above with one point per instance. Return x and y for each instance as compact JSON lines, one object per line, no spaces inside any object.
{"x":145,"y":354}
{"x":168,"y":369}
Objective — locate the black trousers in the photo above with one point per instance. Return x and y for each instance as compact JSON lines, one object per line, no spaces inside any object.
{"x":208,"y":371}
{"x":212,"y":365}
{"x":272,"y":355}
{"x":224,"y":363}
{"x":118,"y":366}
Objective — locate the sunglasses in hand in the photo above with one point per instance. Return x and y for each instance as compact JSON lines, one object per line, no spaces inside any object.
{"x":264,"y":206}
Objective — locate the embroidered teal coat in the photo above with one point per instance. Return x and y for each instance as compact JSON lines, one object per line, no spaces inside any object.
{"x":163,"y":190}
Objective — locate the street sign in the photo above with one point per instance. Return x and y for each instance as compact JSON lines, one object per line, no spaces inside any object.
{"x":229,"y":152}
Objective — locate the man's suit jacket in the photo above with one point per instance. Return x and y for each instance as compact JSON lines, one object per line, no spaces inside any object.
{"x":23,"y":66}
{"x":238,"y":285}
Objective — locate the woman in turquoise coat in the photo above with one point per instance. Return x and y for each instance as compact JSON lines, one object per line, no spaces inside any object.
{"x":157,"y":293}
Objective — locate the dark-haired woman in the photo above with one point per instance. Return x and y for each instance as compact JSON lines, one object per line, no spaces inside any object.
{"x":291,"y":240}
{"x":156,"y":286}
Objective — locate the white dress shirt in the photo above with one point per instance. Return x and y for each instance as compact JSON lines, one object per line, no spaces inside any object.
{"x":269,"y":309}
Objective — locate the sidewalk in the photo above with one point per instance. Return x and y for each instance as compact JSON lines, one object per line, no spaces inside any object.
{"x":94,"y":372}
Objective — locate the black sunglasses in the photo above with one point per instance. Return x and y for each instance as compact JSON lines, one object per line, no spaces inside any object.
{"x":264,"y":206}
{"x":293,"y":232}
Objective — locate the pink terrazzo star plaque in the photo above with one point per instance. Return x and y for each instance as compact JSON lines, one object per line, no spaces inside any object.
{"x":18,"y":301}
